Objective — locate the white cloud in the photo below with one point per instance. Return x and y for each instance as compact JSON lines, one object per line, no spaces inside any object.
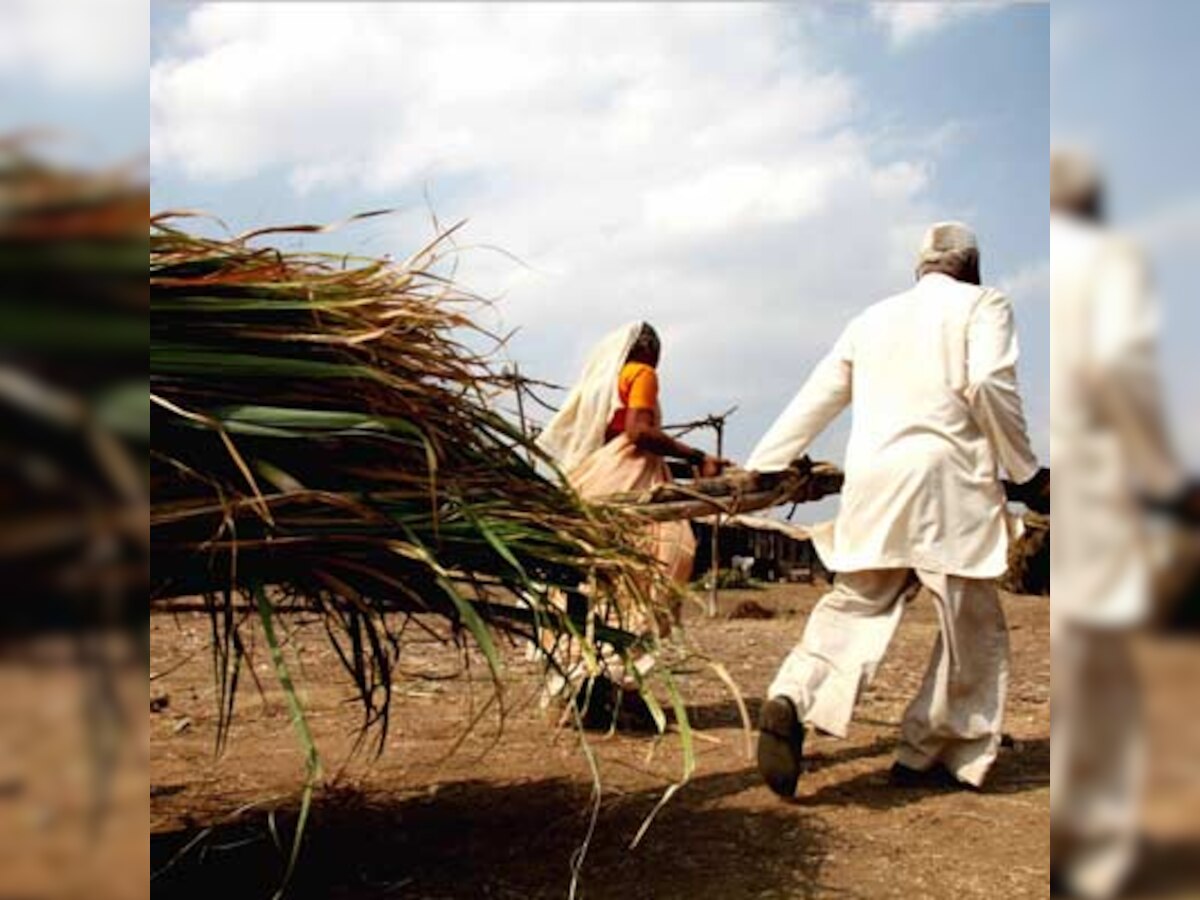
{"x":75,"y":44}
{"x":693,"y":165}
{"x":907,"y":22}
{"x":1173,"y":226}
{"x":1029,"y":284}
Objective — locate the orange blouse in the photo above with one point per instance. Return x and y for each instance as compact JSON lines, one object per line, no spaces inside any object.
{"x":637,"y":388}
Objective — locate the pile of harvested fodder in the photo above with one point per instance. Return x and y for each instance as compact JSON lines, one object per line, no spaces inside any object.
{"x":72,"y":393}
{"x":324,"y":441}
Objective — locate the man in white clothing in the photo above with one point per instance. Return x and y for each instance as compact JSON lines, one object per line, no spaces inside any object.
{"x":937,"y":418}
{"x":1110,"y":440}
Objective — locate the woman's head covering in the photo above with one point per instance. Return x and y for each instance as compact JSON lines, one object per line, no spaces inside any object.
{"x":577,"y":429}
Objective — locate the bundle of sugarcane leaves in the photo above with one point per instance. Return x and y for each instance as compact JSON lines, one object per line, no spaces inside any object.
{"x":325,"y":442}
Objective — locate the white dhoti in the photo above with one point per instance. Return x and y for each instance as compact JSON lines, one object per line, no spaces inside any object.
{"x":957,"y":715}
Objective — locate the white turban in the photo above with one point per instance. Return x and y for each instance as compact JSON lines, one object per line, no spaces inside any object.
{"x":944,"y":241}
{"x":1074,"y":178}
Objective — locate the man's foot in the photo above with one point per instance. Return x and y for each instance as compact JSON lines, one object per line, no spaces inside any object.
{"x":936,"y":778}
{"x":780,"y":746}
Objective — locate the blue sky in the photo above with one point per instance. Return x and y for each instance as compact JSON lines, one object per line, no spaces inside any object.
{"x":1123,"y":84}
{"x":746,"y":177}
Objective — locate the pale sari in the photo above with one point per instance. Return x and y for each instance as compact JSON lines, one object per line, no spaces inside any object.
{"x":620,"y":466}
{"x":596,"y":468}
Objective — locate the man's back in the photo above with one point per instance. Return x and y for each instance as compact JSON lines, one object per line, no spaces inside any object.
{"x":932,"y":376}
{"x":935,"y":411}
{"x":910,"y":375}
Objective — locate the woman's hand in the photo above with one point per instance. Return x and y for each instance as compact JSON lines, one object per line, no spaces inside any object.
{"x":712,"y":466}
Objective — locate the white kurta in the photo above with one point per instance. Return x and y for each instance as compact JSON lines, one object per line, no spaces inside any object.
{"x":937,"y":415}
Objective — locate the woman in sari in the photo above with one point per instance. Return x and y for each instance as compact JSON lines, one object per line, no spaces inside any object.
{"x":607,"y":438}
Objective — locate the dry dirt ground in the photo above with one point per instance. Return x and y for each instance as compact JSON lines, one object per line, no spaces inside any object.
{"x":73,"y":761}
{"x":447,"y":812}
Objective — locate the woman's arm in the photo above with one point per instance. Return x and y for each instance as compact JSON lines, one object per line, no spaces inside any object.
{"x":645,"y":434}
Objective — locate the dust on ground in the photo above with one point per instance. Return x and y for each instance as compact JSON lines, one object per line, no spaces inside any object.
{"x":450,"y":813}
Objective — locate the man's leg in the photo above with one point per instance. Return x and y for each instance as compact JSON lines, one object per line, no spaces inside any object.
{"x":844,"y":640}
{"x":957,"y":715}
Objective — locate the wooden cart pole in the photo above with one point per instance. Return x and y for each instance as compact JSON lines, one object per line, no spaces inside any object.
{"x":731,"y":494}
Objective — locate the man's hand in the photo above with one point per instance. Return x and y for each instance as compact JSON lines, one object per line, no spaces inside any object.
{"x":803,"y":465}
{"x":1034,"y":493}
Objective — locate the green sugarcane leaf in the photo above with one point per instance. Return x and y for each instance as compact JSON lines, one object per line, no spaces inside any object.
{"x":312,"y":761}
{"x":166,"y":359}
{"x":475,"y":625}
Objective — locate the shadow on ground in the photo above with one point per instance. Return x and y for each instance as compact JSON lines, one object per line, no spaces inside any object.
{"x":478,"y":839}
{"x":1023,"y":767}
{"x":723,"y":714}
{"x":1167,"y":869}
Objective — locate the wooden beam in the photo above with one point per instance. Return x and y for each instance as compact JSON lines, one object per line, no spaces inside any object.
{"x":737,"y":492}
